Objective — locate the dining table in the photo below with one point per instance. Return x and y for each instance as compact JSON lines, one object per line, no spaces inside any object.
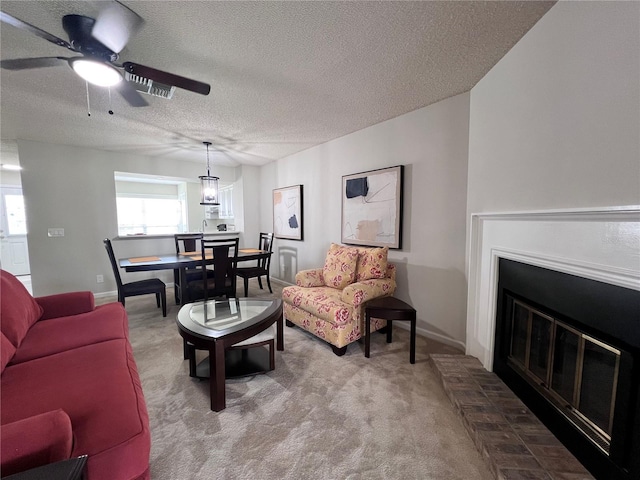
{"x":181,"y":262}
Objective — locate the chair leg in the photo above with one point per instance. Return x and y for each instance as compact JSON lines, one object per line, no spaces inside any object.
{"x":158,"y":299}
{"x":246,"y":286}
{"x":163,"y":296}
{"x":339,"y":351}
{"x":260,"y":282}
{"x":269,"y":284}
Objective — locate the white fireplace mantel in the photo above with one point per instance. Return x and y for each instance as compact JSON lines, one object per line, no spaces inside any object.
{"x":600,"y":244}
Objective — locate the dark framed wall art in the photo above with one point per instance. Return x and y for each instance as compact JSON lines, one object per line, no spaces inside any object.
{"x":372,"y":208}
{"x":287,"y":212}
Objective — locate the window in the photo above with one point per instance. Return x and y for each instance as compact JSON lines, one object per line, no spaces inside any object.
{"x":150,"y":205}
{"x":226,"y":201}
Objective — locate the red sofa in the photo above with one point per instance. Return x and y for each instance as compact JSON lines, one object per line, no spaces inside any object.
{"x":69,"y":385}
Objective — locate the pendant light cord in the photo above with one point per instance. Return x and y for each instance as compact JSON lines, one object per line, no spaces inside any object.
{"x":208,"y":172}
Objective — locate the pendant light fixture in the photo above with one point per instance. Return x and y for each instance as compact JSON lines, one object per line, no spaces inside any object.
{"x":208,"y":185}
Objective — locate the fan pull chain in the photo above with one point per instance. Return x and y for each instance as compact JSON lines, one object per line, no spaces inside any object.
{"x":88,"y":104}
{"x":110,"y":110}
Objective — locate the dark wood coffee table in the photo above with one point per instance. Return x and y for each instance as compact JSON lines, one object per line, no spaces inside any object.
{"x":218,"y":325}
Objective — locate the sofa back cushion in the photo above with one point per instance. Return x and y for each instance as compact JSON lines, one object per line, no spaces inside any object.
{"x":7,"y":351}
{"x":372,"y":263}
{"x":340,"y":266}
{"x":18,"y":309}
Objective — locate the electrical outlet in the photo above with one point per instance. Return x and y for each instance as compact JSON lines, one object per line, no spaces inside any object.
{"x":100,"y":278}
{"x":55,"y":232}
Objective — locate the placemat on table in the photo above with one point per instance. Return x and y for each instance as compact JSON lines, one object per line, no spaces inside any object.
{"x":208,"y":256}
{"x":144,"y":259}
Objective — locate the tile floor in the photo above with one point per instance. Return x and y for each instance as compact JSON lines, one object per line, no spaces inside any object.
{"x":515,"y":444}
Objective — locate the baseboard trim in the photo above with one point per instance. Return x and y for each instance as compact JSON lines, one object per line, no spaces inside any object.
{"x":438,"y":337}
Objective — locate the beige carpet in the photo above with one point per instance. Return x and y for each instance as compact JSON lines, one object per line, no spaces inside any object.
{"x":316,"y":416}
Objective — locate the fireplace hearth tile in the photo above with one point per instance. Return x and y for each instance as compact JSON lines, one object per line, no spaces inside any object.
{"x":540,"y":439}
{"x":488,"y":437}
{"x":566,"y":465}
{"x":514,"y":443}
{"x":520,"y":462}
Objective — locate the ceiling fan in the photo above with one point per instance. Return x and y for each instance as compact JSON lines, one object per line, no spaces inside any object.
{"x":99,"y":41}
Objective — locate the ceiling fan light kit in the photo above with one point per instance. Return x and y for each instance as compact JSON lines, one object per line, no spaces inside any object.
{"x":99,"y":41}
{"x":95,"y":71}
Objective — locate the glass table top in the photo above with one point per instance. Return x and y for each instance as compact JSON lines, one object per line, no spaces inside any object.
{"x":222,"y":315}
{"x":217,"y":318}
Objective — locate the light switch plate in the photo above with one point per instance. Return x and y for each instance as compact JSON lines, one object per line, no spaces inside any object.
{"x":55,"y":232}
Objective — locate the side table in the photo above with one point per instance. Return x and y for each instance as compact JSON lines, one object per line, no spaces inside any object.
{"x":390,"y":309}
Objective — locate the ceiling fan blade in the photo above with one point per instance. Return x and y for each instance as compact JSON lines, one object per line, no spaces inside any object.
{"x":130,"y":94}
{"x":167,"y":78}
{"x":6,"y":18}
{"x":25,"y":63}
{"x":115,"y":25}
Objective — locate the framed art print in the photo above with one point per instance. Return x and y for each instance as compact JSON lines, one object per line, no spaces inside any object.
{"x":287,"y":212}
{"x":372,"y":208}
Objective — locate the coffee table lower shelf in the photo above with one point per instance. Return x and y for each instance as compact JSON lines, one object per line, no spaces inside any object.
{"x":238,"y":363}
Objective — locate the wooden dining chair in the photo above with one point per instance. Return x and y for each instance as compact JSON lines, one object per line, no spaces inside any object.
{"x":265,"y":243}
{"x":222,"y":255}
{"x":139,"y":287}
{"x":187,"y":242}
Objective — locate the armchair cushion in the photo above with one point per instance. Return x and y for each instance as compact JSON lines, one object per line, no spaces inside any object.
{"x":340,"y":266}
{"x":20,"y":313}
{"x":35,"y":441}
{"x":321,"y":302}
{"x":372,"y":263}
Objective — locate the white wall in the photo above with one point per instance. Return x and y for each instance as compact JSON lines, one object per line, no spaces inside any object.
{"x":10,"y":178}
{"x":247,"y":203}
{"x":432,"y":144}
{"x":555,"y":131}
{"x":556,"y":123}
{"x":73,"y":188}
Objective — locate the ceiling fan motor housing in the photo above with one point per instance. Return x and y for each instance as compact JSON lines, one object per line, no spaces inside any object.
{"x":79,"y":27}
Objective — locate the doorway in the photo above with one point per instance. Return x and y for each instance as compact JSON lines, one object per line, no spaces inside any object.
{"x":14,"y":251}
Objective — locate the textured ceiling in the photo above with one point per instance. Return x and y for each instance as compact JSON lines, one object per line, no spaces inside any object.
{"x":284,"y":76}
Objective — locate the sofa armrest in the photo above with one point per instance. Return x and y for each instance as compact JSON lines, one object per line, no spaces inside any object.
{"x":66,"y":304}
{"x":35,"y":441}
{"x":359,"y":292}
{"x":310,"y":278}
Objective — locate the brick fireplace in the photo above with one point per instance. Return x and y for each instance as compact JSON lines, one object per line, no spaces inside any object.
{"x":523,"y":325}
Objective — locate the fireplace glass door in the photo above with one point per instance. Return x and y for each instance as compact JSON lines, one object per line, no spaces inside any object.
{"x":578,"y":374}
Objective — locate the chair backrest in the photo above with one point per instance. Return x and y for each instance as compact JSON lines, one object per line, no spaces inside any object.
{"x":265,"y":243}
{"x":225,"y":262}
{"x":188,"y":241}
{"x":114,"y":263}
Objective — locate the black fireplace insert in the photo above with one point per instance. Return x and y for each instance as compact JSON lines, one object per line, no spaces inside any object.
{"x":569,"y":347}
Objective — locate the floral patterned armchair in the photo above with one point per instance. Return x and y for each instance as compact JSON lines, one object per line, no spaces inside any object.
{"x":329,"y":301}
